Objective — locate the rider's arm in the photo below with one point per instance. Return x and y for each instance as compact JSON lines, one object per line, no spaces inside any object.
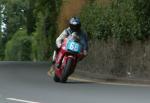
{"x":85,"y":47}
{"x":60,"y":39}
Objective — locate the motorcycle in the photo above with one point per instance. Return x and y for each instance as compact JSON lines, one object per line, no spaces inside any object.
{"x":66,"y":59}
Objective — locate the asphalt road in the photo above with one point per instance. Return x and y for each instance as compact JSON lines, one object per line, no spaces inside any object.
{"x":29,"y":83}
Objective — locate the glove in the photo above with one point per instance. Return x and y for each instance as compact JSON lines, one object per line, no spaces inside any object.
{"x":58,"y":45}
{"x":85,"y":53}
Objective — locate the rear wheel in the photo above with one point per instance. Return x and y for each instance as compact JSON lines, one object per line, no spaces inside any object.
{"x":67,"y":70}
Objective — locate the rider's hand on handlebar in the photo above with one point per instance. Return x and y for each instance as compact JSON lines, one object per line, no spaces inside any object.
{"x":85,"y":52}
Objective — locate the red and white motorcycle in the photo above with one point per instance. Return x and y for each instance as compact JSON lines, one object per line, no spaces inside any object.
{"x":66,"y":59}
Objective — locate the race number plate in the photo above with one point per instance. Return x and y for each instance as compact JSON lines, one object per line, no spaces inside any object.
{"x":73,"y":46}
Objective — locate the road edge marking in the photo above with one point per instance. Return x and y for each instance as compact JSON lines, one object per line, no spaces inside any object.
{"x":20,"y":100}
{"x":109,"y":83}
{"x":102,"y":82}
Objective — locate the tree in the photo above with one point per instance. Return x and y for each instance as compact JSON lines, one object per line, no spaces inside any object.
{"x":30,"y":17}
{"x":13,"y":16}
{"x":24,"y":14}
{"x":142,"y":8}
{"x":46,"y":12}
{"x":19,"y":47}
{"x":1,"y":47}
{"x":39,"y":41}
{"x":1,"y":17}
{"x":2,"y":44}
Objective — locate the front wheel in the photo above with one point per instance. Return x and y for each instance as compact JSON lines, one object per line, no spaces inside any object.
{"x":56,"y":79}
{"x":67,"y":70}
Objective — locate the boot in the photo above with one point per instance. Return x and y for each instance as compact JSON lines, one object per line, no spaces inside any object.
{"x":51,"y":70}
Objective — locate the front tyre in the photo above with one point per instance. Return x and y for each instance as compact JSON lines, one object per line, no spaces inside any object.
{"x":67,"y":70}
{"x":56,"y":79}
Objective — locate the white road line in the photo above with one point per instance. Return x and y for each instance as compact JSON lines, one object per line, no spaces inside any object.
{"x":20,"y":100}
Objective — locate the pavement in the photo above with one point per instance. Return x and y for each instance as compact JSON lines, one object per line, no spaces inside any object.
{"x":28,"y":82}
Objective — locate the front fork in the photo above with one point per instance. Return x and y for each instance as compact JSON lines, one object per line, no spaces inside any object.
{"x":59,"y":70}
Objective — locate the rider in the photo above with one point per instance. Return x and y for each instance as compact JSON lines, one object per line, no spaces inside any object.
{"x":74,"y":26}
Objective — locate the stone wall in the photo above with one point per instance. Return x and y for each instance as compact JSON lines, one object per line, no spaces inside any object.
{"x":113,"y":59}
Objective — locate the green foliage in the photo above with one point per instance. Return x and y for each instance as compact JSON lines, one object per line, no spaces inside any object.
{"x":125,"y":26}
{"x":43,"y":38}
{"x":120,"y":20}
{"x":14,"y":16}
{"x":39,"y":45}
{"x":1,"y":47}
{"x":0,"y":15}
{"x":19,"y":47}
{"x":1,"y":34}
{"x":142,"y":8}
{"x":95,"y":21}
{"x":30,"y":17}
{"x":39,"y":18}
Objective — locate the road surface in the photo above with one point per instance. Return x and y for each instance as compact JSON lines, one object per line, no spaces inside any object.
{"x":28,"y":83}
